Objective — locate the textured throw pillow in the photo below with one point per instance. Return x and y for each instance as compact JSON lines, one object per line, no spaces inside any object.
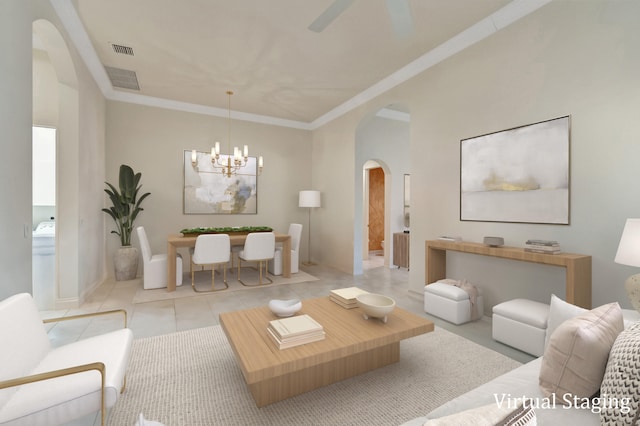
{"x":620,"y":390}
{"x":559,"y":312}
{"x":489,"y":415}
{"x":574,"y":362}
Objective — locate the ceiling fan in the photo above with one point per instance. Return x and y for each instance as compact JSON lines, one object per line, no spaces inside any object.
{"x":399,"y":14}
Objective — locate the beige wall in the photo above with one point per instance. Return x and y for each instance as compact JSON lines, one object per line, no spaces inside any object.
{"x":80,"y":225}
{"x":152,"y":141}
{"x":577,"y":58}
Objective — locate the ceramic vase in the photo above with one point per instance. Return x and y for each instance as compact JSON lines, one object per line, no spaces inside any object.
{"x":125,"y":262}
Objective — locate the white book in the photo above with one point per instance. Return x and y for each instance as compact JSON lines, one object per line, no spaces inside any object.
{"x":347,"y":304}
{"x":294,"y":326}
{"x":295,"y":341}
{"x":348,"y":294}
{"x":454,"y":239}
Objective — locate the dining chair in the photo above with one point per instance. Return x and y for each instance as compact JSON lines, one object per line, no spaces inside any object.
{"x":275,"y":265}
{"x":214,"y":250}
{"x":258,"y":247}
{"x":154,"y":272}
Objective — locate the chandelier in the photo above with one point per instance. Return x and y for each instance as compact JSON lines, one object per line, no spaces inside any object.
{"x":228,"y":164}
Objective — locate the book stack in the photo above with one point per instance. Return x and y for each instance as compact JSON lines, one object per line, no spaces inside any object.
{"x":294,"y":331}
{"x":542,"y":246}
{"x":455,"y":239}
{"x":346,"y":297}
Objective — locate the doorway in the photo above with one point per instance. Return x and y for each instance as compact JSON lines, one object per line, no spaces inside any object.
{"x":382,"y":142}
{"x":374,"y":215}
{"x":43,"y":263}
{"x":376,"y":211}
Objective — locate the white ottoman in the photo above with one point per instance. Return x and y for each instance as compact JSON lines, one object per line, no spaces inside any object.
{"x":522,"y":324}
{"x":449,"y":302}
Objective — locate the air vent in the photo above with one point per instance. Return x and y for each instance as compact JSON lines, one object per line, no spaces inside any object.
{"x":124,"y":79}
{"x":123,"y":50}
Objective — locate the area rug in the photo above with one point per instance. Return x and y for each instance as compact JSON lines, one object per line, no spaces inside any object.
{"x":203,"y":282}
{"x":191,"y":378}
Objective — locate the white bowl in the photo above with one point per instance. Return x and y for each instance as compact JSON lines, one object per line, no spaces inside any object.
{"x":285,"y":308}
{"x":375,"y":305}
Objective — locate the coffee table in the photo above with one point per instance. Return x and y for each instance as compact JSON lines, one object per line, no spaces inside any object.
{"x":352,"y":346}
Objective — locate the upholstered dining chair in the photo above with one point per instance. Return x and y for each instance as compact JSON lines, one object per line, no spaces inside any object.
{"x":275,"y":265}
{"x":214,"y":250}
{"x":155,"y":265}
{"x":258,"y":247}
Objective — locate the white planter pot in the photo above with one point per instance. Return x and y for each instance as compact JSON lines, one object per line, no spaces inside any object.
{"x":125,"y":262}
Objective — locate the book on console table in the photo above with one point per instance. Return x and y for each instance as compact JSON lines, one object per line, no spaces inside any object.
{"x":454,"y":239}
{"x":536,"y":250}
{"x":294,"y":331}
{"x":346,"y":297}
{"x":544,"y":243}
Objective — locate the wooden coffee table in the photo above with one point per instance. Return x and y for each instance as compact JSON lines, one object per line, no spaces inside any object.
{"x":352,"y":346}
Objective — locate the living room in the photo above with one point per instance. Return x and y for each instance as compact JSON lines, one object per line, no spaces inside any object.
{"x":565,"y":58}
{"x":538,"y":68}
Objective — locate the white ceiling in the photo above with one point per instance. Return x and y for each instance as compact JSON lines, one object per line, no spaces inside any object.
{"x":188,"y":53}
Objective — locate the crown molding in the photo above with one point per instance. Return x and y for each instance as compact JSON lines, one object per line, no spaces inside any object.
{"x":481,"y":30}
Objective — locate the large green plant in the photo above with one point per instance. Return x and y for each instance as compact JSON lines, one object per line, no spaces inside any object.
{"x":125,"y":203}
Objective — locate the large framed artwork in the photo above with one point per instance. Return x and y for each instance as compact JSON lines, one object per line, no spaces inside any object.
{"x":208,"y":191}
{"x":517,"y":175}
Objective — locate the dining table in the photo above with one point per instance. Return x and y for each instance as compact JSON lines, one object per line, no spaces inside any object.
{"x":175,"y":241}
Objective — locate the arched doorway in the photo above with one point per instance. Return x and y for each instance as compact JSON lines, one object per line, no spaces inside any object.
{"x":382,"y":141}
{"x":56,"y":103}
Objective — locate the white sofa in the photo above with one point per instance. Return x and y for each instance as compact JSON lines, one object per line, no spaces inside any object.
{"x":43,"y":385}
{"x":524,"y":382}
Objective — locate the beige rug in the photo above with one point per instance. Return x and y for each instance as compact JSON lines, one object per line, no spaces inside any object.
{"x":203,"y":282}
{"x":191,"y":378}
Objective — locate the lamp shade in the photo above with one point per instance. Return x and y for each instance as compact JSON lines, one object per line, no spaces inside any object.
{"x":629,"y":247}
{"x":309,"y":199}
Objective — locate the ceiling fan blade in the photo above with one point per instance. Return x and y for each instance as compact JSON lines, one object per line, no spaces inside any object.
{"x":327,"y":17}
{"x":401,"y":19}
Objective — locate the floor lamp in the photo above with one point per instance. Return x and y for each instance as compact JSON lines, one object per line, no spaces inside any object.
{"x":629,"y":254}
{"x":309,"y":199}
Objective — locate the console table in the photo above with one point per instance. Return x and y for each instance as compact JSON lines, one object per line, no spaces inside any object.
{"x":578,"y":266}
{"x":401,"y":250}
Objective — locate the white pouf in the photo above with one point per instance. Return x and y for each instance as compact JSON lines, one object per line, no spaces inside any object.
{"x":522,"y":324}
{"x":449,"y":302}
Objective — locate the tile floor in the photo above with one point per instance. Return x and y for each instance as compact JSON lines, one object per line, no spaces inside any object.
{"x":169,"y":316}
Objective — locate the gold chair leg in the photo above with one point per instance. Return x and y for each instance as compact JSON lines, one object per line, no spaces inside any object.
{"x":213,"y":283}
{"x":260,"y":262}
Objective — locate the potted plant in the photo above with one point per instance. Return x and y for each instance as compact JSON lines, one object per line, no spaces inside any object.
{"x":124,"y":210}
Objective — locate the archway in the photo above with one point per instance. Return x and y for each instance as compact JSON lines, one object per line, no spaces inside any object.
{"x":48,"y":39}
{"x":382,"y":140}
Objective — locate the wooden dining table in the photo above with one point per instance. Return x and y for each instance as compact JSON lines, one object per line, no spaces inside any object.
{"x":175,"y":241}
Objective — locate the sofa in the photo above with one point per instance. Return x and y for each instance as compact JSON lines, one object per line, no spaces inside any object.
{"x":524,"y":381}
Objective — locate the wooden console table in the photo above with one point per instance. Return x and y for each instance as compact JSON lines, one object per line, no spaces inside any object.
{"x":578,"y":266}
{"x":401,"y":250}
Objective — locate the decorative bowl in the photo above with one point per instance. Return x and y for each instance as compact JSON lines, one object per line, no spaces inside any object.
{"x":285,"y":308}
{"x":375,"y":305}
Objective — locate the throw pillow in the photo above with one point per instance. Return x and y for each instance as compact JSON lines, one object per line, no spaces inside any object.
{"x":489,"y":415}
{"x":574,"y":362}
{"x":620,"y":390}
{"x":559,"y":312}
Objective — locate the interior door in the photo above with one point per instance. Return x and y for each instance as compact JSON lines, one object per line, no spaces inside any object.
{"x":376,"y":208}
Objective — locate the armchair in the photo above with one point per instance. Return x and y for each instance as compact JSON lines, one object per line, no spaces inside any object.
{"x":42,"y":385}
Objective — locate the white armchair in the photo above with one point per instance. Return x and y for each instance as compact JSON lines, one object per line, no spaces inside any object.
{"x":42,"y":385}
{"x":154,"y":273}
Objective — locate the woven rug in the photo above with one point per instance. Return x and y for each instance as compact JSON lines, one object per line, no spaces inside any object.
{"x":191,"y":378}
{"x":203,"y":282}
